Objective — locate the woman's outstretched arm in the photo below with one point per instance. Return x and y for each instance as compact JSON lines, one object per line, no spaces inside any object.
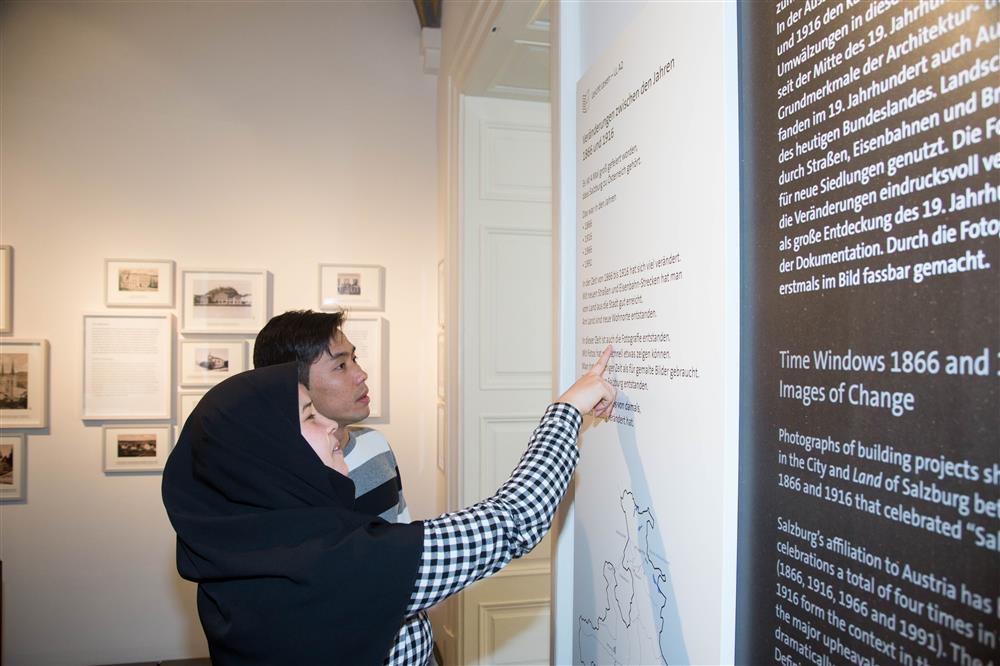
{"x":462,"y":547}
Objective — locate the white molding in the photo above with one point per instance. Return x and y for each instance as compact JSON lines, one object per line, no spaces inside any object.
{"x":489,"y":187}
{"x":488,"y":429}
{"x":430,"y":49}
{"x":489,"y":612}
{"x":490,"y":326}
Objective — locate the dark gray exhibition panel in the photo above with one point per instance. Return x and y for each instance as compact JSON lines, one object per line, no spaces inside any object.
{"x":870,"y":427}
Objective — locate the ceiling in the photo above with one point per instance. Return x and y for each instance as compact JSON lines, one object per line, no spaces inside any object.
{"x":513,"y":61}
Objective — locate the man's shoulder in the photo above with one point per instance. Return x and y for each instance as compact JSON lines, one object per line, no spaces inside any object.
{"x":365,"y":434}
{"x":370,"y":442}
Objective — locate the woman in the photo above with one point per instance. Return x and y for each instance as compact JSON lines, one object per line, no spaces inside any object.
{"x":289,"y":573}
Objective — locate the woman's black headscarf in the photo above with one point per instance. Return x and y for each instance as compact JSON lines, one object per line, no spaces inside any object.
{"x":287,"y":571}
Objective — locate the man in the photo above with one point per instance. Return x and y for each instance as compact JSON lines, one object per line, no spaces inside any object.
{"x":332,"y":385}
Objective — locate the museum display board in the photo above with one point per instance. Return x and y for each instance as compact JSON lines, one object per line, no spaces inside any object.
{"x":653,"y":164}
{"x":867,"y":325}
{"x":869,"y":452}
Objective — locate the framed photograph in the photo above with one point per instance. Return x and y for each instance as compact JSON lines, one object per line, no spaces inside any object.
{"x":140,"y":283}
{"x":136,"y":448}
{"x":24,"y":383}
{"x":368,"y":336}
{"x":6,"y":289}
{"x":13,"y":468}
{"x":216,"y":301}
{"x":208,"y":362}
{"x":351,"y":287}
{"x":128,"y":366}
{"x":186,"y":402}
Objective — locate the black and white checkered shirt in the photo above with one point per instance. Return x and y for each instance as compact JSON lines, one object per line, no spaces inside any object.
{"x":463,"y":547}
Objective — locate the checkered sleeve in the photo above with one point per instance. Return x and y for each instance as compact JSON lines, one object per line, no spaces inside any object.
{"x":463,"y":547}
{"x":414,"y":642}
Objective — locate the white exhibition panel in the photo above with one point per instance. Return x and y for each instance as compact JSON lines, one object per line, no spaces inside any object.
{"x":656,"y":262}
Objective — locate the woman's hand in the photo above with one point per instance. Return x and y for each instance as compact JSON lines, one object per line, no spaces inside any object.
{"x":592,"y":391}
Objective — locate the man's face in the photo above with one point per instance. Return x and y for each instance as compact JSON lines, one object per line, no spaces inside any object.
{"x":337,"y":384}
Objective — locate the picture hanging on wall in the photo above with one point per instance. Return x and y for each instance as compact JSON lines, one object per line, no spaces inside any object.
{"x":127,"y":366}
{"x":368,"y":336}
{"x":13,"y":468}
{"x":140,"y":283}
{"x":24,"y":383}
{"x":136,"y":448}
{"x":186,"y":402}
{"x":208,"y":362}
{"x":6,"y":289}
{"x":343,"y":287}
{"x":222,"y":301}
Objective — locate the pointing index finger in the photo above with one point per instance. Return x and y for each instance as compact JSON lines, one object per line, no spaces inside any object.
{"x":602,"y":363}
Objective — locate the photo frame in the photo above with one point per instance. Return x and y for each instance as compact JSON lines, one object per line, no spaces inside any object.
{"x":6,"y":289}
{"x":139,"y":283}
{"x":128,"y":366}
{"x":24,"y":383}
{"x":347,"y":287}
{"x":208,"y":362}
{"x":368,"y":335}
{"x":13,"y":467}
{"x":136,"y":448}
{"x":186,"y":402}
{"x":224,"y":301}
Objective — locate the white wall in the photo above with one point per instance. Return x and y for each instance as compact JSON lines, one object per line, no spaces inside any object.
{"x":258,"y":135}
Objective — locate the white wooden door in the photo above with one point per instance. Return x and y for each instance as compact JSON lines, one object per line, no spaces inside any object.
{"x":504,"y":327}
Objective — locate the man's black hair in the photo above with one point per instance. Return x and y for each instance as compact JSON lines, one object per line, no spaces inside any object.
{"x":297,"y":335}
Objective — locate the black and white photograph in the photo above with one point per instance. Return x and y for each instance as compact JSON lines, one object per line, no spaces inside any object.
{"x":138,"y":279}
{"x":208,"y":362}
{"x":349,"y":284}
{"x":218,"y":300}
{"x":13,"y":381}
{"x":224,"y":301}
{"x":6,"y":288}
{"x":343,"y":287}
{"x":6,"y":464}
{"x":12,"y":467}
{"x":136,"y":448}
{"x":141,"y":445}
{"x":147,"y":283}
{"x":24,"y":383}
{"x":213,"y":359}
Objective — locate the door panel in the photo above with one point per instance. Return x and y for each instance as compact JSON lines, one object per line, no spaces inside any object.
{"x":504,"y":327}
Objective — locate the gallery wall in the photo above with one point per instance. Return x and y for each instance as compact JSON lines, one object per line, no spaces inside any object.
{"x":264,"y":135}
